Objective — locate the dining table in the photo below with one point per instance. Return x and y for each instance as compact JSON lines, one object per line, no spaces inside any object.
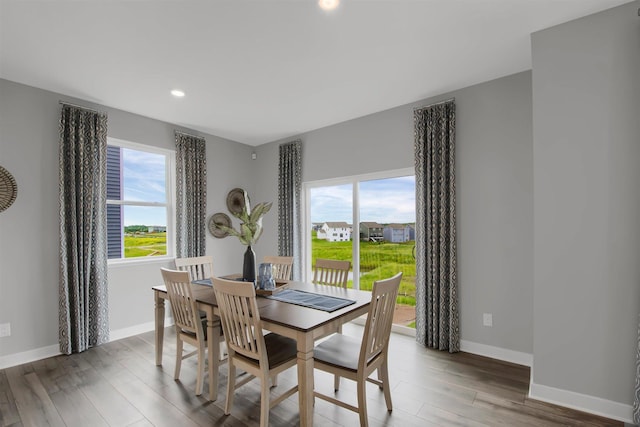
{"x":302,"y":323}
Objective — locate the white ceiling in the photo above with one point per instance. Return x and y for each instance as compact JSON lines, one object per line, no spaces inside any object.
{"x":261,"y":70}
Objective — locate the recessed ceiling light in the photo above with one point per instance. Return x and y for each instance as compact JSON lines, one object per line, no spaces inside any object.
{"x":177,"y":93}
{"x":328,"y":4}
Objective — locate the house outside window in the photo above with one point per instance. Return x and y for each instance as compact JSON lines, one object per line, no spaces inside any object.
{"x":140,"y":206}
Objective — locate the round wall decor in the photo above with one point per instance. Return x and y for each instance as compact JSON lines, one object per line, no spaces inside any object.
{"x":219,"y":219}
{"x":8,"y":189}
{"x":236,"y":201}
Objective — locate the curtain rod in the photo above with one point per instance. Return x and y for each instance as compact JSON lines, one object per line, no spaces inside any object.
{"x":80,"y":106}
{"x":189,"y":134}
{"x":434,"y":104}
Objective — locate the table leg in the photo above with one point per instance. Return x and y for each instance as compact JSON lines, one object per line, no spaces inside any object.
{"x":159,"y":303}
{"x":305,"y":380}
{"x":213,"y":344}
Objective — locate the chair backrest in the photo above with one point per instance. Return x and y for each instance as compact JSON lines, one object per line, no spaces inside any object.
{"x":282,"y":266}
{"x":199,"y":267}
{"x":183,"y":304}
{"x":240,"y":319}
{"x":331,"y":272}
{"x":378,"y":326}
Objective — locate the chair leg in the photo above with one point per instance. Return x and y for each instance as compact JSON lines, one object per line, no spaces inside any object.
{"x":231,"y":386}
{"x":176,"y":372}
{"x":200,"y":378}
{"x":274,"y":380}
{"x":264,"y":402}
{"x":383,"y":375}
{"x":336,"y":377}
{"x":362,"y":401}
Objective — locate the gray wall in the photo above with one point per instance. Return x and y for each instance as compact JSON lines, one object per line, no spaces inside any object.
{"x":29,"y":228}
{"x":586,"y":101}
{"x":494,"y":176}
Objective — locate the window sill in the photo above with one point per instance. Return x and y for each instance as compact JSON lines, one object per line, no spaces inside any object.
{"x":118,"y":263}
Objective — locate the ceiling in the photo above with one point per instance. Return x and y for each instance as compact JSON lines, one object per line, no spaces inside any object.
{"x":261,"y":70}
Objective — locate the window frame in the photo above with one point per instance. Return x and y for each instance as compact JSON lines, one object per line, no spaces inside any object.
{"x":170,"y":203}
{"x":354,"y":180}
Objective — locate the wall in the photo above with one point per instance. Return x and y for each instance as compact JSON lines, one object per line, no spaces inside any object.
{"x":586,"y":101}
{"x":494,"y":176}
{"x":29,"y":228}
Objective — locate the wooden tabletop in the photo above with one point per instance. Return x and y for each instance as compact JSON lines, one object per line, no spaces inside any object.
{"x":291,"y":315}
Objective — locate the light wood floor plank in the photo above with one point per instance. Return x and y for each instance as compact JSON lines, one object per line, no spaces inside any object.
{"x":8,"y":410}
{"x":32,"y":401}
{"x":118,"y":384}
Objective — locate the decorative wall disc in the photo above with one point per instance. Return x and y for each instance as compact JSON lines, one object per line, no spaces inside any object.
{"x":236,"y":201}
{"x":222,"y":219}
{"x":8,"y":189}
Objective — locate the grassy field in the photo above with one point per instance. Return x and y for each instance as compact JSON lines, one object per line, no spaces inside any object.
{"x":148,"y":244}
{"x":377,"y":261}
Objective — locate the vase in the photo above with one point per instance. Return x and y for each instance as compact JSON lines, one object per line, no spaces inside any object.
{"x":249,"y":266}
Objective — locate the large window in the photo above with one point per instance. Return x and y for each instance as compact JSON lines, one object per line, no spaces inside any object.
{"x":139,"y":201}
{"x":370,"y":221}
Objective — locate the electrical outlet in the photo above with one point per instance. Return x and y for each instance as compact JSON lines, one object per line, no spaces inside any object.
{"x":487,"y":319}
{"x":5,"y":329}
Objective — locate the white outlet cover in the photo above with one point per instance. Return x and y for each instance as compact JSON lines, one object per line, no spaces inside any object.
{"x":487,"y":319}
{"x":5,"y":329}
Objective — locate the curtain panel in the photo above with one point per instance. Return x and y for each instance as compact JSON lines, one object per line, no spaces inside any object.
{"x":83,"y":294}
{"x":289,"y":209}
{"x":437,"y":319}
{"x":191,"y":195}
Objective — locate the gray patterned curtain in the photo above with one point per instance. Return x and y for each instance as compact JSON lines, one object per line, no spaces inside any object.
{"x":437,"y":321}
{"x":83,"y":304}
{"x":191,"y":195}
{"x":636,"y":400}
{"x":289,"y":211}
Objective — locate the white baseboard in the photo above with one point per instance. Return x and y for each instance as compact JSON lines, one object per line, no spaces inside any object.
{"x":118,"y":334}
{"x":582,"y":402}
{"x":54,"y":350}
{"x":512,"y":356}
{"x":29,"y":356}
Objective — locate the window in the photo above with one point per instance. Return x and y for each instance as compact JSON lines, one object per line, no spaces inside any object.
{"x":139,"y":201}
{"x":381,"y":240}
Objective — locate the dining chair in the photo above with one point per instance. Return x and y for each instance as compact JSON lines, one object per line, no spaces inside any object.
{"x":355,"y":359}
{"x":200,"y":267}
{"x":282,"y":266}
{"x":188,"y":323}
{"x":331,"y":272}
{"x":334,"y":273}
{"x":261,"y":356}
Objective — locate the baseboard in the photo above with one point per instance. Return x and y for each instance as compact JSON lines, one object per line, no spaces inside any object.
{"x":54,"y":350}
{"x":517,"y":357}
{"x":582,"y":402}
{"x":29,"y":356}
{"x":119,"y":334}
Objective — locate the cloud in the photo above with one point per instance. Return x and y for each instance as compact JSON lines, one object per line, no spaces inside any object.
{"x":382,"y":200}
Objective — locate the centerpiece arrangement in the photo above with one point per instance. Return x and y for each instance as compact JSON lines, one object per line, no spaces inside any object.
{"x":250,"y":229}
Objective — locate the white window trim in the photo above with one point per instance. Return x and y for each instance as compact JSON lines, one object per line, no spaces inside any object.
{"x":171,"y":202}
{"x":307,"y":273}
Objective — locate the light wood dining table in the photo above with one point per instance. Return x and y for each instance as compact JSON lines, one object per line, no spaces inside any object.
{"x":303,"y":324}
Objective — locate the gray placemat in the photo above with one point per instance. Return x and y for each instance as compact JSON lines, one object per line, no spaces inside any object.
{"x":311,"y":300}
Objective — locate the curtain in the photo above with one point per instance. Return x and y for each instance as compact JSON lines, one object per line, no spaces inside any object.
{"x":191,"y":195}
{"x":437,"y":320}
{"x":83,"y":304}
{"x":289,"y":210}
{"x":636,"y":400}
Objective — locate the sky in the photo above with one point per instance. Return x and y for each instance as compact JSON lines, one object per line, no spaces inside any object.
{"x":144,"y":180}
{"x":382,"y":200}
